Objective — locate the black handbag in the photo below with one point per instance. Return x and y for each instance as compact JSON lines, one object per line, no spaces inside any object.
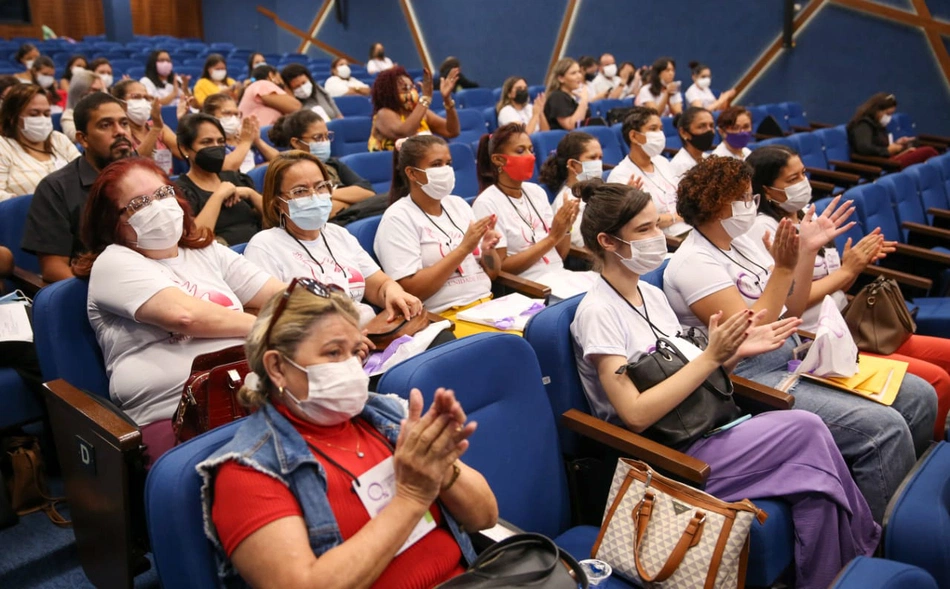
{"x":708,"y":407}
{"x":522,"y":560}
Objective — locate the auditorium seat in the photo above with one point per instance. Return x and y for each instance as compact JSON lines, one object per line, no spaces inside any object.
{"x":834,"y":140}
{"x":364,"y":230}
{"x":545,"y":144}
{"x":865,"y":572}
{"x":257,"y":176}
{"x":902,"y":191}
{"x":779,"y":112}
{"x":472,"y":125}
{"x":264,"y":132}
{"x":811,"y":151}
{"x":170,"y":116}
{"x":354,"y":106}
{"x":466,"y":176}
{"x":600,"y":108}
{"x":351,"y":135}
{"x":26,"y":274}
{"x":673,"y":140}
{"x":376,"y":167}
{"x":491,"y":118}
{"x":478,"y":98}
{"x":608,"y":144}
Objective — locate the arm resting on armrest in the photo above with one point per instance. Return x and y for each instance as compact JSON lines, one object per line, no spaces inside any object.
{"x":625,"y":441}
{"x":757,"y":397}
{"x":526,"y":287}
{"x":28,"y":282}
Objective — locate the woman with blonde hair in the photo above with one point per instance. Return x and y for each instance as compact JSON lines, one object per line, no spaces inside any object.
{"x":514,"y":106}
{"x":567,"y":99}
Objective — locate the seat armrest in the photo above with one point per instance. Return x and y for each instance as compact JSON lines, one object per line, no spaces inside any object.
{"x":625,"y":441}
{"x":526,"y":287}
{"x":800,"y":129}
{"x":28,"y":282}
{"x":111,"y":420}
{"x":581,"y":253}
{"x":942,"y":213}
{"x":433,"y":318}
{"x":865,"y":170}
{"x":923,"y":254}
{"x":838,"y":178}
{"x":881,"y":162}
{"x":822,"y":187}
{"x":935,"y":144}
{"x":758,"y":397}
{"x":501,"y":530}
{"x":673,"y":242}
{"x":806,"y":334}
{"x":919,"y":282}
{"x":927,"y":230}
{"x":934,"y":138}
{"x":818,"y":125}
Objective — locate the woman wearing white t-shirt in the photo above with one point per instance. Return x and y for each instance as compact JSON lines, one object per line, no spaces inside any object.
{"x":697,"y":132}
{"x":160,"y":80}
{"x":161,"y":292}
{"x":578,"y":157}
{"x":645,"y":165}
{"x":298,"y":241}
{"x":662,"y":93}
{"x":779,"y":176}
{"x":377,"y":59}
{"x":735,"y":127}
{"x":699,"y":93}
{"x":341,"y":83}
{"x":778,"y":454}
{"x":429,"y":241}
{"x":513,"y":106}
{"x":718,"y":269}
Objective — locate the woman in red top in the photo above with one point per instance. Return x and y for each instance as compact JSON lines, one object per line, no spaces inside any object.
{"x":302,"y":495}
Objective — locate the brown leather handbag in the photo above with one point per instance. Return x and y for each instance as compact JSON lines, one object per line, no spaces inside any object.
{"x":209,"y":398}
{"x":382,"y":332}
{"x":878,"y":317}
{"x":29,"y":492}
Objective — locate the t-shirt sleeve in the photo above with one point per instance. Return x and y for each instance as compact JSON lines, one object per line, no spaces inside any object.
{"x":190,"y":194}
{"x":123,"y":280}
{"x":149,"y":86}
{"x":644,"y":96}
{"x":484,"y":206}
{"x":242,"y":275}
{"x":692,"y":94}
{"x":235,"y":487}
{"x":350,"y":178}
{"x":398,"y":247}
{"x":64,"y":147}
{"x":266,"y":87}
{"x":595,"y":331}
{"x":559,"y":105}
{"x":262,"y":256}
{"x":700,"y":278}
{"x":507,"y":115}
{"x":47,"y":228}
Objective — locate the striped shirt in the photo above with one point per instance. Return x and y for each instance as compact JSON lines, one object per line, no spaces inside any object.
{"x":20,"y":171}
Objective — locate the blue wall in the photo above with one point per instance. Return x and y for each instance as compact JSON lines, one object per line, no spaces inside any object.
{"x":840,"y":58}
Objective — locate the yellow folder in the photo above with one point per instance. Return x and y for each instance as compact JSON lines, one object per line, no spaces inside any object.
{"x":877,"y":379}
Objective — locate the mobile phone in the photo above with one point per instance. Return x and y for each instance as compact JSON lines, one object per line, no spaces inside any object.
{"x":727,"y":426}
{"x":675,"y":85}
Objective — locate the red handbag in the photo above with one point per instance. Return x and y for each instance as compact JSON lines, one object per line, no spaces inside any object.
{"x":209,"y":398}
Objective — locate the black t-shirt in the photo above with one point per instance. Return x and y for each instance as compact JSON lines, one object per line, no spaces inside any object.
{"x":236,"y":224}
{"x":560,"y":104}
{"x":52,"y":224}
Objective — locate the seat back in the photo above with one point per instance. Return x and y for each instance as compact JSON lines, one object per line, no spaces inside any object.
{"x":257,"y":176}
{"x":608,"y":143}
{"x":901,"y":125}
{"x":472,"y":125}
{"x":930,"y":186}
{"x":779,"y":112}
{"x":673,"y":139}
{"x":617,"y":128}
{"x":835,"y":142}
{"x":810,"y":149}
{"x":466,"y":175}
{"x":600,"y":108}
{"x":364,"y":230}
{"x":65,"y":341}
{"x":491,"y":118}
{"x":865,"y":572}
{"x":786,"y":141}
{"x":758,"y":114}
{"x":376,"y":167}
{"x":902,"y":192}
{"x":943,"y":164}
{"x":351,"y":135}
{"x":183,"y":555}
{"x":873,"y":209}
{"x":475,"y":98}
{"x":354,"y":106}
{"x":917,"y":520}
{"x":13,"y":212}
{"x":515,"y":446}
{"x":544,"y":143}
{"x":655,"y":277}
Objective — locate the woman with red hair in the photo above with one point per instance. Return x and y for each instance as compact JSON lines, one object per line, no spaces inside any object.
{"x":399,"y":111}
{"x":161,"y":291}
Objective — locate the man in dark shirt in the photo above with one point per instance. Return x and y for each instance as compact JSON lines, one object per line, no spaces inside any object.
{"x":52,"y":225}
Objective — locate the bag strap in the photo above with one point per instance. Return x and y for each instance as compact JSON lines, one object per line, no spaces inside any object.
{"x":516,"y":541}
{"x":645,"y":315}
{"x":49,"y":508}
{"x":690,"y":538}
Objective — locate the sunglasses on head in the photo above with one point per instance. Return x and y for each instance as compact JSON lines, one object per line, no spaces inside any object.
{"x":312,"y":286}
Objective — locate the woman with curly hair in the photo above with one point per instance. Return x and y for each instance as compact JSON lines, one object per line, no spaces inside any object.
{"x":718,"y":269}
{"x":399,"y":111}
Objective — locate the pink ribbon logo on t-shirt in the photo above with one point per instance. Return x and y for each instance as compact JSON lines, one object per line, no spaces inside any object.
{"x":531,"y":239}
{"x":207,"y":294}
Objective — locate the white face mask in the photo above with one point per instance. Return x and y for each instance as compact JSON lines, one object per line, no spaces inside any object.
{"x":45,"y":81}
{"x":76,"y":69}
{"x":231,"y":125}
{"x":37,"y":129}
{"x":106,"y":80}
{"x":656,"y":143}
{"x":441,"y":181}
{"x":138,"y":110}
{"x":343,"y":71}
{"x":591,"y":169}
{"x":337,"y":392}
{"x":796,"y":196}
{"x":304,"y":90}
{"x":646,"y":255}
{"x":742,"y":219}
{"x":159,"y":225}
{"x":704,"y":82}
{"x":218,"y":75}
{"x":885,"y":119}
{"x":28,"y":63}
{"x":610,"y":70}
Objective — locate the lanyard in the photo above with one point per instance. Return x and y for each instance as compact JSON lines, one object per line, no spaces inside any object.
{"x":436,"y":225}
{"x":326,"y":245}
{"x":734,"y":261}
{"x":528,"y":220}
{"x":645,"y":315}
{"x":651,"y":181}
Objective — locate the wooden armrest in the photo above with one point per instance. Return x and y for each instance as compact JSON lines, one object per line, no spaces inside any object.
{"x":111,"y":420}
{"x":822,"y":187}
{"x":855,"y":168}
{"x":935,"y":144}
{"x":881,"y":162}
{"x":758,"y":397}
{"x":673,"y":242}
{"x":924,"y":284}
{"x":526,"y":287}
{"x":818,"y":125}
{"x":838,"y":178}
{"x":28,"y":282}
{"x":625,"y":441}
{"x":923,"y":254}
{"x":581,"y":253}
{"x":942,"y":213}
{"x":926,"y":230}
{"x":764,"y":136}
{"x":934,"y":138}
{"x":806,"y":334}
{"x":800,"y":129}
{"x":433,"y":318}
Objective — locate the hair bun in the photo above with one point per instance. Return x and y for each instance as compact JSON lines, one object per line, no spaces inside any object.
{"x":693,"y":64}
{"x":587,"y":189}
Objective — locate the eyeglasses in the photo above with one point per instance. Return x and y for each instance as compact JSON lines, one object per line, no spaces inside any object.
{"x":312,"y":286}
{"x":328,"y":136}
{"x":753,"y":198}
{"x":320,"y":189}
{"x":140,"y":202}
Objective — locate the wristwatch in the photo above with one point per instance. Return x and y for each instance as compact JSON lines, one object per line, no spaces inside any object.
{"x":425,"y":101}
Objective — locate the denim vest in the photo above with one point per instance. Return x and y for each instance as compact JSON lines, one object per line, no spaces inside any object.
{"x":268,"y":443}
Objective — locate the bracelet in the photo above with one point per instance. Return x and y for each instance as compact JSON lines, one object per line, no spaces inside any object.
{"x":425,"y":101}
{"x":449,"y":104}
{"x":456,"y":471}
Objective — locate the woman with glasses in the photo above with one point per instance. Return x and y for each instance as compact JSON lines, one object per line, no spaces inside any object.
{"x":161,"y":292}
{"x":307,"y":131}
{"x":225,"y":202}
{"x":718,"y":269}
{"x":298,"y":241}
{"x":328,"y":481}
{"x":399,"y":111}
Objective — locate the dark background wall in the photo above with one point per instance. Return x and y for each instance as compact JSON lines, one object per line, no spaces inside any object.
{"x":840,"y":58}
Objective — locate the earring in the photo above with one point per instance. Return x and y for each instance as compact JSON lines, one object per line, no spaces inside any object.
{"x":281,"y":391}
{"x":500,"y":169}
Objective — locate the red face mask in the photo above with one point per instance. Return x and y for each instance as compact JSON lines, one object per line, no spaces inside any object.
{"x":519,"y":168}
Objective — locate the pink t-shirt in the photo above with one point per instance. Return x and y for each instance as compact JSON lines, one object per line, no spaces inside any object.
{"x":251,"y":103}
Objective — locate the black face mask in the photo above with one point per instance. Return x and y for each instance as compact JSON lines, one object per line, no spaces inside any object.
{"x":380,"y":55}
{"x":590,"y":77}
{"x":703,"y":141}
{"x":521,"y":96}
{"x":211,"y":159}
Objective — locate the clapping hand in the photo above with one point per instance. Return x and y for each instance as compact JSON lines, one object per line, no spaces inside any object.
{"x":763,"y":339}
{"x":816,"y":231}
{"x":447,"y":84}
{"x":725,"y":339}
{"x":785,"y":247}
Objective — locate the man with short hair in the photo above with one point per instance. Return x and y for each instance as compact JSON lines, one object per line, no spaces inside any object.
{"x":52,"y":225}
{"x":607,"y":84}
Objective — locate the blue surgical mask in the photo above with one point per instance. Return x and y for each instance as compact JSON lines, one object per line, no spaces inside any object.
{"x":320,"y":150}
{"x":310,"y":212}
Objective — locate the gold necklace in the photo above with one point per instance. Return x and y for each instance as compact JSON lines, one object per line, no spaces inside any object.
{"x":358,"y":453}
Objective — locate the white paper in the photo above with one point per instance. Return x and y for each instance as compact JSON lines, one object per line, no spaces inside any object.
{"x":507,"y":309}
{"x":376,"y":489}
{"x":14,"y":323}
{"x":564,"y":283}
{"x":498,"y":533}
{"x":833,"y":353}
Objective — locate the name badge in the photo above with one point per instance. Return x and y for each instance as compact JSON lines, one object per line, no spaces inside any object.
{"x":377,"y":487}
{"x":832,"y":259}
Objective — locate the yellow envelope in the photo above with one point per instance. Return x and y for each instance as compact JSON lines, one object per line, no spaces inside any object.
{"x":877,"y":379}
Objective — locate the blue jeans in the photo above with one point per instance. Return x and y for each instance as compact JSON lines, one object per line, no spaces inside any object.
{"x":879,"y":443}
